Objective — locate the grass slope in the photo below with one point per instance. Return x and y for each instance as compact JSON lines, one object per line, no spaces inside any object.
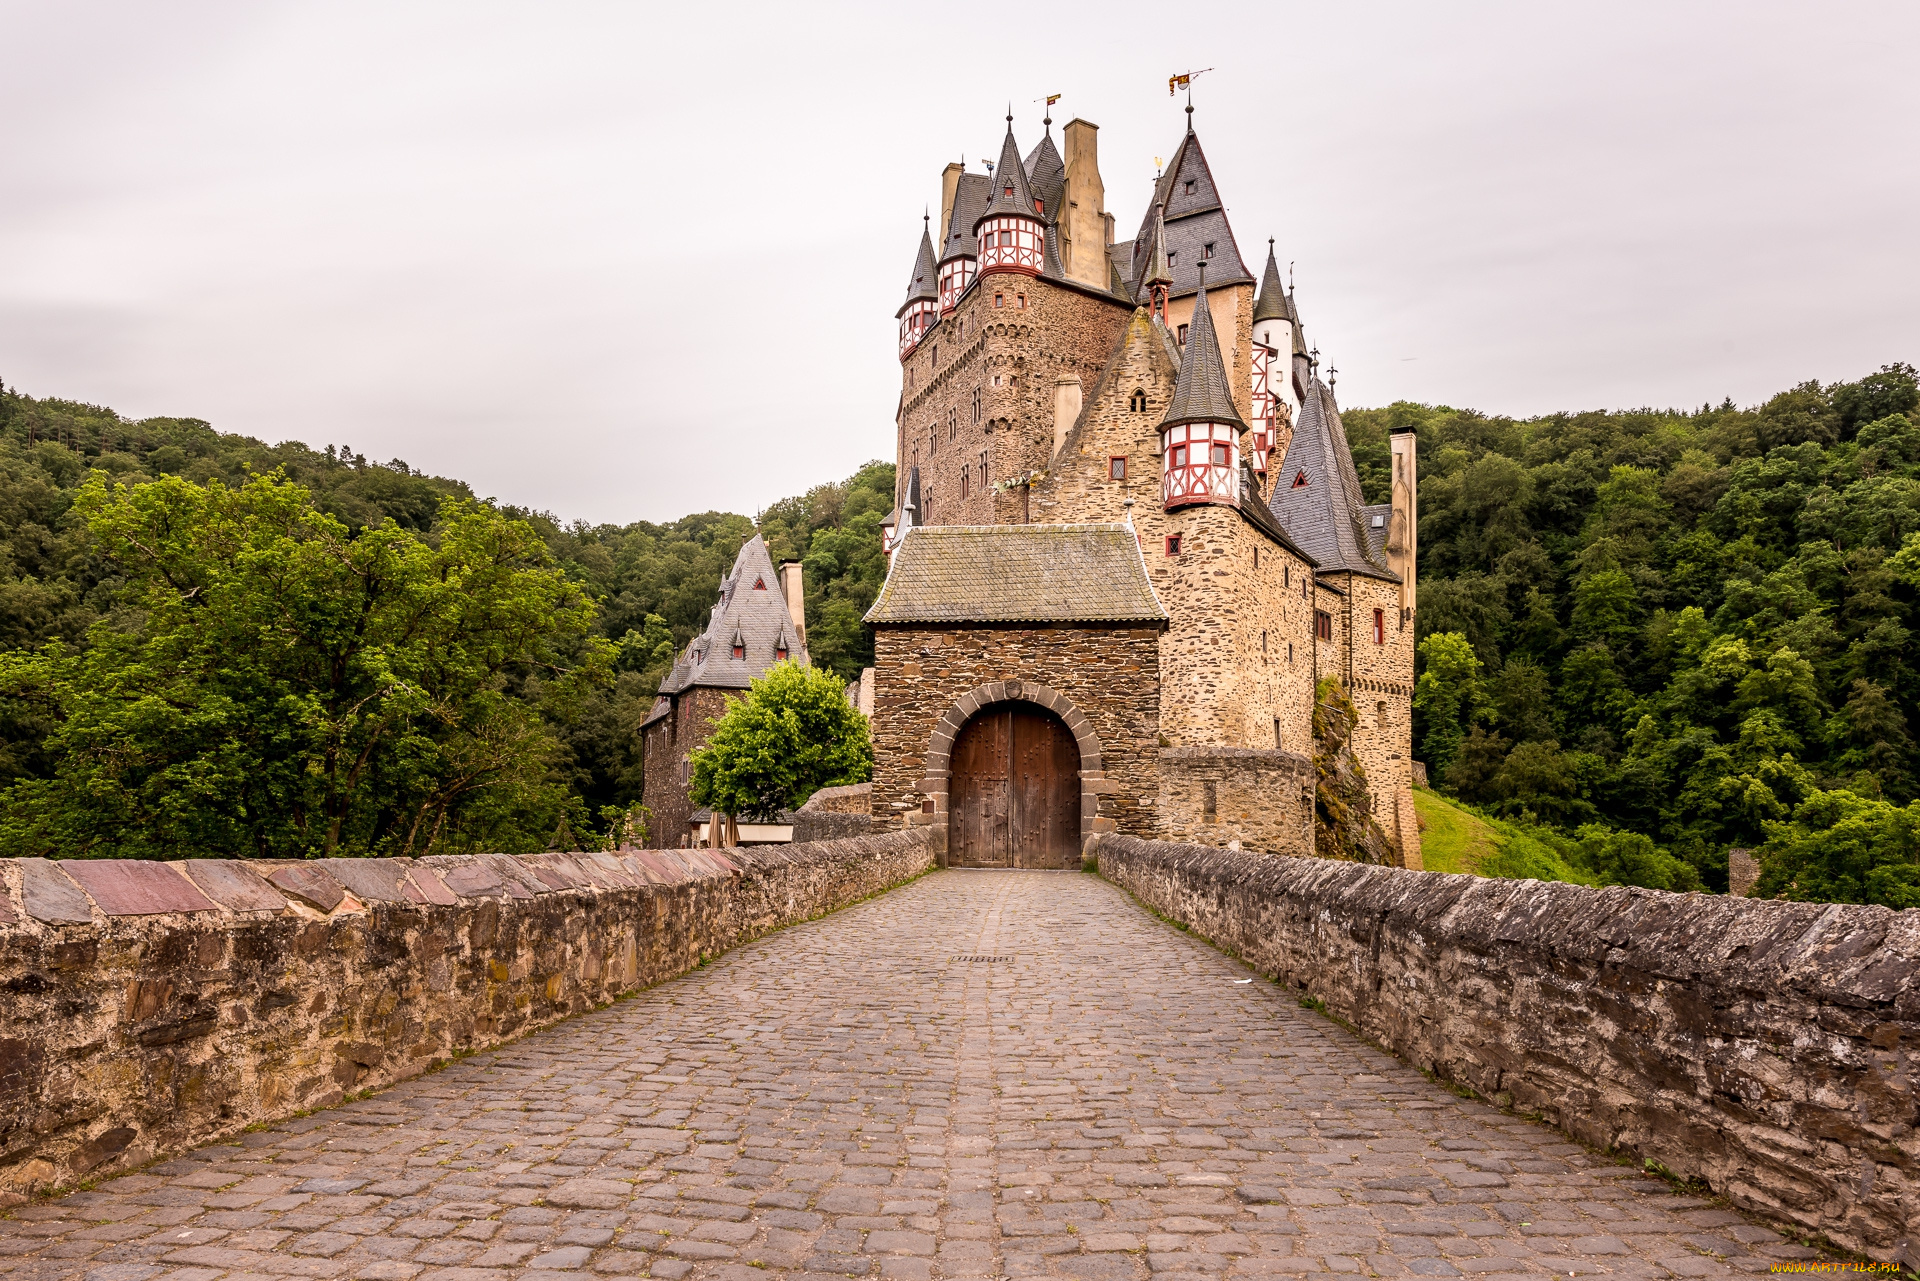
{"x":1455,"y":839}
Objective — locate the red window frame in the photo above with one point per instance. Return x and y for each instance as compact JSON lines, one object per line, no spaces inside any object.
{"x":1379,"y":626}
{"x":1173,"y":544}
{"x":1116,"y":466}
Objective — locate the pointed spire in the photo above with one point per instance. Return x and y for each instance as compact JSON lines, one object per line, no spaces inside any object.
{"x":925,"y":284}
{"x":1011,"y":193}
{"x":1272,"y":303}
{"x":1201,"y":393}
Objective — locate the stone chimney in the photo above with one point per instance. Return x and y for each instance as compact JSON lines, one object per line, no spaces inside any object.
{"x":1083,"y":223}
{"x":794,"y":589}
{"x":1066,"y":408}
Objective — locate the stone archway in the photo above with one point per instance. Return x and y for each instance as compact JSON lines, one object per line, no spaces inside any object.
{"x":937,"y":786}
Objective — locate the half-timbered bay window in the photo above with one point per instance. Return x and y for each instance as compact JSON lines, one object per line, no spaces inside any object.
{"x":1202,"y":465}
{"x":1011,"y":244}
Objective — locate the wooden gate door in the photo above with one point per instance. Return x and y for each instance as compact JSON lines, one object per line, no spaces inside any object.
{"x":1015,"y":791}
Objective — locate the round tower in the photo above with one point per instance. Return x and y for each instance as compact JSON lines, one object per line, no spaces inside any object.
{"x":1200,"y":435}
{"x":1012,"y":230}
{"x":922,"y":306}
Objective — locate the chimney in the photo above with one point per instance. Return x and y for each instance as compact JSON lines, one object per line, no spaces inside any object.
{"x":949,"y":183}
{"x":1084,"y":221}
{"x":1066,"y":408}
{"x":794,"y":589}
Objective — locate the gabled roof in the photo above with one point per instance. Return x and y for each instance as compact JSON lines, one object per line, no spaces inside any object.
{"x":1272,"y":303}
{"x":1047,"y":175}
{"x":1316,"y":492}
{"x":1203,"y":393}
{"x":925,"y":285}
{"x":1018,"y":574}
{"x":751,"y":612}
{"x":1194,"y":220}
{"x":969,"y":198}
{"x":1010,"y":193}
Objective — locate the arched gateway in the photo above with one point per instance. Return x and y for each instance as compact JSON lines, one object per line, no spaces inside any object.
{"x":1014,"y":790}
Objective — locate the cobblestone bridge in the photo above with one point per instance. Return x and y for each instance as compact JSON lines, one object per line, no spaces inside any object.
{"x":984,"y":1074}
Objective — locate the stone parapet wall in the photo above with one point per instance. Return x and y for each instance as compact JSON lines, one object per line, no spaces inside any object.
{"x":146,"y":1008}
{"x":1221,"y":795}
{"x":1765,"y":1047}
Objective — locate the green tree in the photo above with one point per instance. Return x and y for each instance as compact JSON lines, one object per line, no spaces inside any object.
{"x":1447,"y":696}
{"x":793,"y":734}
{"x":279,"y":687}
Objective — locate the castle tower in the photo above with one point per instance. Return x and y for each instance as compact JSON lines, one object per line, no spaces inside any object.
{"x":1272,"y":353}
{"x":922,"y":307}
{"x":1200,"y":434}
{"x":1011,"y":231}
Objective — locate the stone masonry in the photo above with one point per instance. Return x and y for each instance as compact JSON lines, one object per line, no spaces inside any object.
{"x":148,"y":1007}
{"x":1764,"y":1047}
{"x":984,"y":1075}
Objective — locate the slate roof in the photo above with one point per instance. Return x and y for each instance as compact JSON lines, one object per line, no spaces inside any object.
{"x":1009,"y":173}
{"x":1194,"y":221}
{"x":1202,"y":393}
{"x":1047,"y":174}
{"x":1272,"y":303}
{"x":1325,"y":516}
{"x":925,"y":285}
{"x":969,"y":198}
{"x":1018,"y":574}
{"x":754,"y":616}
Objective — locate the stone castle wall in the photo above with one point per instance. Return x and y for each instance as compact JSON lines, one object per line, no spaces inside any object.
{"x":1765,"y":1047}
{"x":665,"y":747}
{"x":151,"y":1007}
{"x":1231,"y":796}
{"x":1107,"y":675}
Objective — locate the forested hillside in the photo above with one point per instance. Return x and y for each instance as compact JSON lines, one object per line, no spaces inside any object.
{"x":653,"y":583}
{"x":1679,"y":631}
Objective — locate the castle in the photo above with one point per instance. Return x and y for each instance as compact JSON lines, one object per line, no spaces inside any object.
{"x":1130,"y":542}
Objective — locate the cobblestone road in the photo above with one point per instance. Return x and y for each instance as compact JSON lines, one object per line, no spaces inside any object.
{"x":985,"y":1074}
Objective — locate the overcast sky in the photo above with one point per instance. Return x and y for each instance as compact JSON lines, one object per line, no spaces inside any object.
{"x":627,"y":261}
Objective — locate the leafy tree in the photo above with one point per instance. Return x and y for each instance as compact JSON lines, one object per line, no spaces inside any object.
{"x":793,"y":734}
{"x":279,"y":687}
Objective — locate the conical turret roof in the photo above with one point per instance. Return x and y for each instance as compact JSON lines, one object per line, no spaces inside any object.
{"x":925,"y":285}
{"x":1011,"y":193}
{"x":1272,"y":303}
{"x":969,"y":198}
{"x":1201,"y":394}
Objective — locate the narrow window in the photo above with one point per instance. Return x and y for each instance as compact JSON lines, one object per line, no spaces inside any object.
{"x":1183,"y":338}
{"x":1173,"y":544}
{"x":1380,"y":629}
{"x":1117,"y":467}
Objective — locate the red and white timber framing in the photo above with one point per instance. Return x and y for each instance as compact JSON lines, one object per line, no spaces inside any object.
{"x":955,"y":275}
{"x":1202,"y":465}
{"x":1266,"y":403}
{"x":914,"y":325}
{"x":1012,"y":243}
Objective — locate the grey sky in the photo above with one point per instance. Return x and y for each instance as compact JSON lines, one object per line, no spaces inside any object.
{"x":627,"y":261}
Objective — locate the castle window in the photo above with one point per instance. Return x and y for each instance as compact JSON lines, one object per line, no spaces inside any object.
{"x":1379,"y":628}
{"x":1117,"y":467}
{"x":1183,"y":335}
{"x":1173,"y":544}
{"x":1138,"y":402}
{"x":1323,"y":624}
